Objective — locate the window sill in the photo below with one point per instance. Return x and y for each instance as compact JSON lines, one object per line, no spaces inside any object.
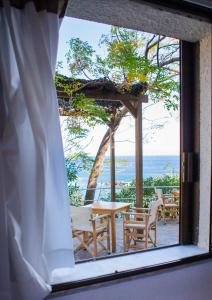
{"x":91,"y":270}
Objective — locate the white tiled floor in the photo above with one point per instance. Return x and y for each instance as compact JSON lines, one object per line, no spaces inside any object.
{"x":112,"y":265}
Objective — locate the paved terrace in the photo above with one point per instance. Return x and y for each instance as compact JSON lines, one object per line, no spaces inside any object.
{"x":168,"y":234}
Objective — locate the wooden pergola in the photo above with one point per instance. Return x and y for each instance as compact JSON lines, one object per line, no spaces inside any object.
{"x":107,"y":94}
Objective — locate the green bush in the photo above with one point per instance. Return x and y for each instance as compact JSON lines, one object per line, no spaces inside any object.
{"x":128,"y":193}
{"x":75,"y":196}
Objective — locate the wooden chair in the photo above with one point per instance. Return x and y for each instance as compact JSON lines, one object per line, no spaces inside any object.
{"x":170,"y":207}
{"x":176,"y":195}
{"x":138,"y":226}
{"x":90,"y":229}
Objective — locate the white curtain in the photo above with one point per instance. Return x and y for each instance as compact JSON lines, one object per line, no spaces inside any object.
{"x":35,"y":233}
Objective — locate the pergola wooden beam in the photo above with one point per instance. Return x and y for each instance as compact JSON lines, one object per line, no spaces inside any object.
{"x":103,"y":89}
{"x":131,"y":108}
{"x":135,"y":109}
{"x":139,"y":155}
{"x":107,"y":96}
{"x":112,"y":165}
{"x":132,"y":100}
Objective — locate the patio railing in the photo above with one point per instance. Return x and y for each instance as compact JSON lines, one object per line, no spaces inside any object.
{"x":103,"y":193}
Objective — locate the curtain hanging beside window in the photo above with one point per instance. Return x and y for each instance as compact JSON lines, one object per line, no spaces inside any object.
{"x":35,"y":228}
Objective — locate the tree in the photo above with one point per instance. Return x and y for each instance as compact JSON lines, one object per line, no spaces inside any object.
{"x":131,"y":57}
{"x":99,"y":159}
{"x":86,"y":115}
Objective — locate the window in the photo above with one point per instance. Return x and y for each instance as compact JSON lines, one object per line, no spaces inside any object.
{"x":193,"y":152}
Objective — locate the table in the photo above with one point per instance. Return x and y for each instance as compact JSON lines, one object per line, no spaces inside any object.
{"x":112,"y":208}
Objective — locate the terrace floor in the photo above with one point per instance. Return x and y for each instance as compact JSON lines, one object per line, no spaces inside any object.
{"x":168,"y":234}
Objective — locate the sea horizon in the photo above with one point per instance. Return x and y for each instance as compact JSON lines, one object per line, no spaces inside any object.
{"x":153,"y":166}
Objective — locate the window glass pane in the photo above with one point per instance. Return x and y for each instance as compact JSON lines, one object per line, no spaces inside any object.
{"x":119,"y":101}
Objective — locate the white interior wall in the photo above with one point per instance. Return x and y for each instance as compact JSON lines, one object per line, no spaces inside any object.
{"x":191,"y":282}
{"x":205,"y":138}
{"x":130,"y":14}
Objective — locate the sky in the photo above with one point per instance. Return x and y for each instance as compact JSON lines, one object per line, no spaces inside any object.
{"x":164,"y":141}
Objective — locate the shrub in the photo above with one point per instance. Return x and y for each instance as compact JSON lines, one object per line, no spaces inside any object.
{"x":75,"y":196}
{"x":128,"y":193}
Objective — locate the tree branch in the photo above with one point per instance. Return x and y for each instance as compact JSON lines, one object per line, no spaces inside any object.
{"x":147,"y":45}
{"x":158,"y":50}
{"x":154,"y":44}
{"x":168,"y":62}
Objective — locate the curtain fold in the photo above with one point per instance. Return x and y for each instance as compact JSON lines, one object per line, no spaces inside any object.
{"x":34,"y":211}
{"x":54,"y":6}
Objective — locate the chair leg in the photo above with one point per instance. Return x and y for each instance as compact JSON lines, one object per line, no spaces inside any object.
{"x":95,"y":251}
{"x":85,"y":237}
{"x":164,"y":215}
{"x":82,"y":245}
{"x":146,"y":238}
{"x":156,"y":234}
{"x":108,"y":238}
{"x":153,"y":240}
{"x":99,"y":241}
{"x":125,"y":231}
{"x":124,"y":240}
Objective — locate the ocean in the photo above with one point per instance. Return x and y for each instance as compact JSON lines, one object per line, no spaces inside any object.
{"x":154,"y":166}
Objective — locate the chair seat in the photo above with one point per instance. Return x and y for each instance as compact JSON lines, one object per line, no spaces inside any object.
{"x":137,"y":226}
{"x":87,"y":228}
{"x":171,"y":205}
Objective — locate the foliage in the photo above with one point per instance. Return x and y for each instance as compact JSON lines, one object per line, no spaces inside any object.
{"x":87,"y":112}
{"x":79,"y":57}
{"x":78,"y":159}
{"x":130,"y":58}
{"x":73,"y":167}
{"x":75,"y":196}
{"x":128,"y":194}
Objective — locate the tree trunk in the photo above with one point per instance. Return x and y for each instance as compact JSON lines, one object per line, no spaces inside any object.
{"x":99,"y":159}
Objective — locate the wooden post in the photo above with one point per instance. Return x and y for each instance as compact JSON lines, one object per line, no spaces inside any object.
{"x":139,"y":155}
{"x":112,"y":165}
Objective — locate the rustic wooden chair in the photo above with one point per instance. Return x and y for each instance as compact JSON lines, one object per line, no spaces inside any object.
{"x":90,"y":229}
{"x":176,"y":194}
{"x":138,"y":226}
{"x":170,"y":207}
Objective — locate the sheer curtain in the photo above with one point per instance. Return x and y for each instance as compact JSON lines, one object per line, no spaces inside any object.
{"x":35,"y":231}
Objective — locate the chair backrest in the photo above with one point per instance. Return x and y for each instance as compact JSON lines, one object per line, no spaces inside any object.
{"x":80,"y":216}
{"x":159,"y":193}
{"x":176,"y":192}
{"x":154,"y":205}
